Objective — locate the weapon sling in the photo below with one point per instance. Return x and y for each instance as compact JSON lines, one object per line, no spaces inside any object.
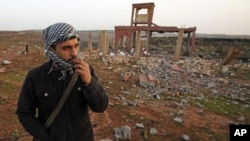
{"x":62,"y":101}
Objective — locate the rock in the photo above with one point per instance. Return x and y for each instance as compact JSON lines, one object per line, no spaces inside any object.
{"x":147,"y":81}
{"x":139,"y":125}
{"x":132,"y":103}
{"x":153,"y":131}
{"x":124,"y":132}
{"x":241,"y":118}
{"x":185,"y":137}
{"x":2,"y":70}
{"x":6,"y":62}
{"x":125,"y":76}
{"x":178,"y":120}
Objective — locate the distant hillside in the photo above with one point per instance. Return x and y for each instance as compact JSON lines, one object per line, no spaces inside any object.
{"x":95,"y":33}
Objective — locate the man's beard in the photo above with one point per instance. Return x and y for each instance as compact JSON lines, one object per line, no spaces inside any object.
{"x":60,"y":64}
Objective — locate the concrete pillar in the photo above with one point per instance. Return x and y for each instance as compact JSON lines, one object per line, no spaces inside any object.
{"x":137,"y":44}
{"x":104,"y":42}
{"x":107,"y":43}
{"x":113,"y":43}
{"x":99,"y":41}
{"x":90,"y":42}
{"x":178,"y":44}
{"x":147,"y":40}
{"x":192,"y":44}
{"x":188,"y":45}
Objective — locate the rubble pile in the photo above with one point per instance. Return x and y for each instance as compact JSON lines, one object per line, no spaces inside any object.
{"x":193,"y":79}
{"x":190,"y":75}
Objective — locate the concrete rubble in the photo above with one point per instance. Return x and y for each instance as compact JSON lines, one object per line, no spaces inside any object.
{"x":191,"y":76}
{"x":123,"y":132}
{"x":6,"y":62}
{"x":186,"y":76}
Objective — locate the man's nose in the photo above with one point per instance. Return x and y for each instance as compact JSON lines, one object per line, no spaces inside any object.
{"x":74,"y":52}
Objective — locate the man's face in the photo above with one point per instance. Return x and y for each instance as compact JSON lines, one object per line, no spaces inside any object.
{"x":68,"y":50}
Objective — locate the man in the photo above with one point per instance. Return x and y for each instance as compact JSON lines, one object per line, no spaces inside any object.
{"x":26,"y":50}
{"x":44,"y":86}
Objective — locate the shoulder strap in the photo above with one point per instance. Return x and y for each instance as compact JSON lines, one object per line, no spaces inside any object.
{"x":62,"y":101}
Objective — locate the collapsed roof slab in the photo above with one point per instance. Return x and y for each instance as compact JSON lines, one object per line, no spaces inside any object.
{"x":129,"y":31}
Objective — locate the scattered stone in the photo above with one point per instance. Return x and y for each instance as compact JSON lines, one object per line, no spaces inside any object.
{"x":6,"y":62}
{"x":245,"y":106}
{"x":174,"y":105}
{"x":132,"y":103}
{"x":232,"y":123}
{"x":185,"y":137}
{"x":156,"y":96}
{"x":241,"y":118}
{"x":147,"y":81}
{"x":125,"y":76}
{"x":200,"y":112}
{"x":178,"y":120}
{"x":153,"y":131}
{"x":139,"y":125}
{"x":177,"y":94}
{"x":2,"y":70}
{"x":124,"y":132}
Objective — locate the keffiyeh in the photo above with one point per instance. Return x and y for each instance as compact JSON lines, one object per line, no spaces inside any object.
{"x":55,"y":34}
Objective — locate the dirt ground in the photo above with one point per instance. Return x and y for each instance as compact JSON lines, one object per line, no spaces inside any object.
{"x":152,"y":113}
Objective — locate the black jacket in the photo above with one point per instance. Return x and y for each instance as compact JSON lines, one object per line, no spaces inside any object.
{"x":39,"y":96}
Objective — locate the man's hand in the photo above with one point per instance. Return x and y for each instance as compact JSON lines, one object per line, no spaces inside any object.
{"x":82,"y":68}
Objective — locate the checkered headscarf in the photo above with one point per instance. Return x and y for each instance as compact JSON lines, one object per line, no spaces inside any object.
{"x":55,"y":34}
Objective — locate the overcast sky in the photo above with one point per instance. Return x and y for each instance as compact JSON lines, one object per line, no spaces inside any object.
{"x":209,"y":16}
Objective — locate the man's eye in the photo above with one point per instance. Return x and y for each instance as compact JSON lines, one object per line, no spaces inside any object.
{"x":65,"y":48}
